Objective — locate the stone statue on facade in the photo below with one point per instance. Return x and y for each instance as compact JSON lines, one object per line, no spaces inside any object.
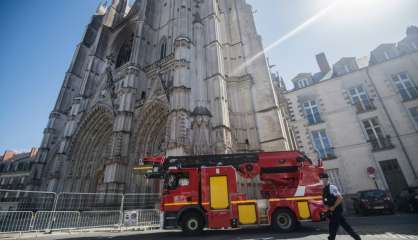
{"x":201,"y":131}
{"x":110,"y":85}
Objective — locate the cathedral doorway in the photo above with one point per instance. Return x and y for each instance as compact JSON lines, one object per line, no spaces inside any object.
{"x":151,"y":137}
{"x":90,"y":150}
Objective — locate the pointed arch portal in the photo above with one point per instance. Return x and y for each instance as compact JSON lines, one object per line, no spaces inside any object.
{"x":91,"y":149}
{"x":151,"y":136}
{"x":152,"y":125}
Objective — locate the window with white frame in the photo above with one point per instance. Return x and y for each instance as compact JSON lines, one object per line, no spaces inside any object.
{"x":334,"y":178}
{"x":414,"y":45}
{"x":414,"y":114}
{"x":375,"y":133}
{"x":322,"y":144}
{"x":303,"y":83}
{"x":312,"y":113}
{"x":406,"y":86}
{"x":347,"y":68}
{"x":360,"y":99}
{"x":387,"y":55}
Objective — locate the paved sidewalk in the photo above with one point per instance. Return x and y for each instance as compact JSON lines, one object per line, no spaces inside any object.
{"x":370,"y":228}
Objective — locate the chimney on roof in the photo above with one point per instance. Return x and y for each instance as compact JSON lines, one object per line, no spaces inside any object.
{"x":412,"y":30}
{"x":33,"y":152}
{"x":323,"y":64}
{"x":8,"y":154}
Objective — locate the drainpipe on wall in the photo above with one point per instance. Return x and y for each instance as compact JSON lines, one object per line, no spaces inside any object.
{"x":392,"y":125}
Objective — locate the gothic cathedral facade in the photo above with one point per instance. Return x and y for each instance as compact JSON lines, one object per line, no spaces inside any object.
{"x":158,"y":77}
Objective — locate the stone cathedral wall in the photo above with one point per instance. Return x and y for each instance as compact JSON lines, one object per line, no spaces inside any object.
{"x":164,"y":77}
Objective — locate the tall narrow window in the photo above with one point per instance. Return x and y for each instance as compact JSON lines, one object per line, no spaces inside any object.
{"x":414,"y":45}
{"x":125,"y":52}
{"x":312,"y":112}
{"x":406,"y":86}
{"x":303,"y":83}
{"x":387,"y":56}
{"x":414,"y":114}
{"x":375,"y":134}
{"x":163,"y":49}
{"x":347,"y":68}
{"x":360,"y":99}
{"x":322,"y":144}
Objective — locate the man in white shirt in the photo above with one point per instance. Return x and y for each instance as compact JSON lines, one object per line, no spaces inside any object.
{"x":333,"y":201}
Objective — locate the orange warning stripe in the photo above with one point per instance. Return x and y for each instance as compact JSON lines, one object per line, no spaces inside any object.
{"x":296,"y":198}
{"x":180,"y":203}
{"x":243,"y":201}
{"x":249,"y":201}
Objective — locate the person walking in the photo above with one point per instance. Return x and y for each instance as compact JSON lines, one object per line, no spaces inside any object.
{"x":332,"y":199}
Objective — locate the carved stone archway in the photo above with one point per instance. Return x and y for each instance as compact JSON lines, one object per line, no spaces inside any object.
{"x":151,"y":129}
{"x":150,"y":136}
{"x":90,"y":149}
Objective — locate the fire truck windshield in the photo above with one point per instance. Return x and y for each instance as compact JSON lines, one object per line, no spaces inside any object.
{"x":174,"y":180}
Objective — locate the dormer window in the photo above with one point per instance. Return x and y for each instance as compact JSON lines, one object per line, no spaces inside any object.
{"x":303,"y":83}
{"x":387,"y":55}
{"x":414,"y":45}
{"x":347,"y":69}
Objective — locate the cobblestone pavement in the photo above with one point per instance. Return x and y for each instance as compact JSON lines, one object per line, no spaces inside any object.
{"x":370,"y":228}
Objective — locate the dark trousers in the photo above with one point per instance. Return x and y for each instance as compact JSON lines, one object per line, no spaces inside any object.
{"x":335,"y":221}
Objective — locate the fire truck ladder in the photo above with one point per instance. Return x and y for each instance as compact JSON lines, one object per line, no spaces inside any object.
{"x":211,"y":160}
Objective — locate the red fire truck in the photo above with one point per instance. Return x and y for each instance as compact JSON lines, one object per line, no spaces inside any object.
{"x":280,"y":189}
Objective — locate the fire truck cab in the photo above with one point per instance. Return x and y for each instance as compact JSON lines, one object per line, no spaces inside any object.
{"x":237,"y":190}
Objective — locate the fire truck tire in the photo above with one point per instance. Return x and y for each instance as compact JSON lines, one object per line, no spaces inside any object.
{"x":192,"y":223}
{"x":283,"y":220}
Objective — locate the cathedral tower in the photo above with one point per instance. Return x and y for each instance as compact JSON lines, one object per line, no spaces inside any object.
{"x":158,"y":77}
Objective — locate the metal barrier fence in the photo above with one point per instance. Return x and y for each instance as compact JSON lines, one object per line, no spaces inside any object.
{"x":26,"y":211}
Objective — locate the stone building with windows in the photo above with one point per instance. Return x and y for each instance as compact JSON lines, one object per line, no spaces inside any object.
{"x":362,"y":113}
{"x":15,"y":174}
{"x":158,"y":77}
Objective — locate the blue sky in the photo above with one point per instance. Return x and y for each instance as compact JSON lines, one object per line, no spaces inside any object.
{"x":39,"y":37}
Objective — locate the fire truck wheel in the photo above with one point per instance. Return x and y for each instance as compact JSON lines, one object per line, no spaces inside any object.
{"x":283,"y":220}
{"x":192,"y":223}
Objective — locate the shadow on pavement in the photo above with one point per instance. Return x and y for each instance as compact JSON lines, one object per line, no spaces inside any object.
{"x":380,"y":225}
{"x":252,"y":234}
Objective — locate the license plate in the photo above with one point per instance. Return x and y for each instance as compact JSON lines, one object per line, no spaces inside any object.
{"x":379,"y":207}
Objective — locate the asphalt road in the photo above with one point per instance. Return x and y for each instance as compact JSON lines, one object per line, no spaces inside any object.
{"x":375,"y":227}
